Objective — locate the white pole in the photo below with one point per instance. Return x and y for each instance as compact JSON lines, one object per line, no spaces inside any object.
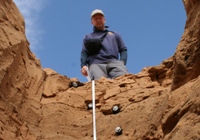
{"x":93,"y":109}
{"x":93,"y":102}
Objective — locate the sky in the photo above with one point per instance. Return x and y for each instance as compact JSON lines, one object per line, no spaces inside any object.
{"x":55,"y":29}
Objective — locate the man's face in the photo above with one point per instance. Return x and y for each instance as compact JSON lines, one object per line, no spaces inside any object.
{"x":98,"y":21}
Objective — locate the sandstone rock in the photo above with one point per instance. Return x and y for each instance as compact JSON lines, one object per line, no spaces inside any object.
{"x":187,"y":56}
{"x":160,"y":102}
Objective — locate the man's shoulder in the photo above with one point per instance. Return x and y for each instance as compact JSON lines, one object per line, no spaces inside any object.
{"x":89,"y":35}
{"x":114,"y":33}
{"x":111,"y":33}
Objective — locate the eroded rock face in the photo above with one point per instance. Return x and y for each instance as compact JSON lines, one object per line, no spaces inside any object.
{"x":40,"y":104}
{"x":187,"y":55}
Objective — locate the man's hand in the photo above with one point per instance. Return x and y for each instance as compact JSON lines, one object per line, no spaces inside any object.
{"x":84,"y":71}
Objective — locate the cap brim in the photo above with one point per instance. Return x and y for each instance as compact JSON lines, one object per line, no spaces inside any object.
{"x":96,"y":14}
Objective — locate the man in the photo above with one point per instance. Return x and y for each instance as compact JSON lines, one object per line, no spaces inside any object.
{"x":103,"y":62}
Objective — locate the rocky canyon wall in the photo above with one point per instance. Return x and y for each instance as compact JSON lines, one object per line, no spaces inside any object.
{"x":159,"y":103}
{"x":187,"y":55}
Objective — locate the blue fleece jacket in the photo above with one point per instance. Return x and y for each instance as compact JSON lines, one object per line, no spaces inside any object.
{"x":113,"y":45}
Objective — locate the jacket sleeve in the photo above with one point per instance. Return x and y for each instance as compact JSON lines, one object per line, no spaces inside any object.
{"x":123,"y":56}
{"x":122,"y":48}
{"x":84,"y":55}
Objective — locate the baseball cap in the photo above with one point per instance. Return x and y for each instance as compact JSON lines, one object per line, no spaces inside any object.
{"x":96,"y":11}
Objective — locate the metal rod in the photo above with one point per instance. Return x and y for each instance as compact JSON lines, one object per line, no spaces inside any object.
{"x":89,"y":78}
{"x":93,"y":109}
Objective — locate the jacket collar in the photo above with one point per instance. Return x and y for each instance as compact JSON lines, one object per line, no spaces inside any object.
{"x":96,"y":30}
